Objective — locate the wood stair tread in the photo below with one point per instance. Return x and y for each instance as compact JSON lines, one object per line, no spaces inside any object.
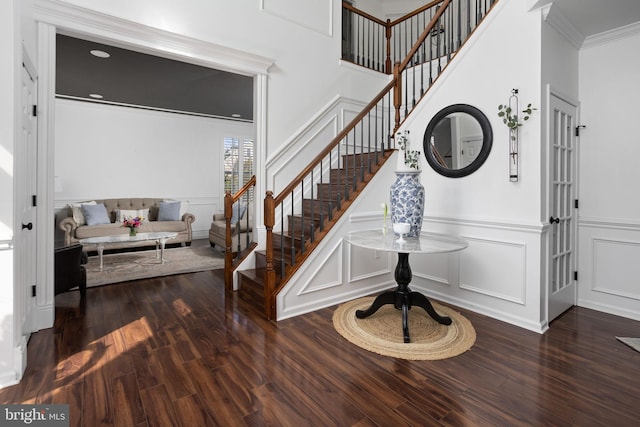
{"x":324,"y":209}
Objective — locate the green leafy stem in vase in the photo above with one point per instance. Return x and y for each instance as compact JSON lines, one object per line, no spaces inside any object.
{"x":511,"y":119}
{"x":411,"y":157}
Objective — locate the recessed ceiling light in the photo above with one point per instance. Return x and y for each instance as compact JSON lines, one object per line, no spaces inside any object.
{"x":100,"y":53}
{"x":95,"y":95}
{"x":236,"y":116}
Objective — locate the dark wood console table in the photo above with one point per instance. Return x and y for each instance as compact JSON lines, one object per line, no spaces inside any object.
{"x":402,"y":297}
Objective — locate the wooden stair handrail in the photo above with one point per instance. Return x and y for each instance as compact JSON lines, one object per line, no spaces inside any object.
{"x":415,"y":12}
{"x":364,"y":14}
{"x":443,"y":6}
{"x":270,"y":203}
{"x":389,"y":24}
{"x":335,"y":141}
{"x":270,"y":289}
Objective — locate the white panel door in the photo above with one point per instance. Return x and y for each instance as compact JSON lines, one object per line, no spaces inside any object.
{"x":563,"y":161}
{"x":26,"y":179}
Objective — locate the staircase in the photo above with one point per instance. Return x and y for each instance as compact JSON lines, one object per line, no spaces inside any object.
{"x":300,"y":216}
{"x":304,"y":229}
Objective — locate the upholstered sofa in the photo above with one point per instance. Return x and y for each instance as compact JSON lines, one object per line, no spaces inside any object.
{"x":158,"y":214}
{"x":239,"y":230}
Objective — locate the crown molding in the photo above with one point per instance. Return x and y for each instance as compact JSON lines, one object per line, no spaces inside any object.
{"x":77,"y":21}
{"x":556,"y":20}
{"x":612,"y":35}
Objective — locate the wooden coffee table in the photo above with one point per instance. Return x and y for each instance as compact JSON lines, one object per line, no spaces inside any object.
{"x":120,"y":239}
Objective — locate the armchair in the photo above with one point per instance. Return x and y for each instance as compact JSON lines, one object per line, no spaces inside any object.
{"x":218,"y":230}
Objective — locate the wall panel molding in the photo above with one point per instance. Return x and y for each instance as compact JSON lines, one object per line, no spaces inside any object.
{"x":500,"y":274}
{"x":314,"y":15}
{"x":313,"y":284}
{"x":609,"y":223}
{"x":615,"y":269}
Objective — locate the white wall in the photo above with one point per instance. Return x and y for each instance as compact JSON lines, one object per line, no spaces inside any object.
{"x":306,"y":48}
{"x":104,"y":151}
{"x":609,"y":213}
{"x":499,"y":274}
{"x":501,"y":269}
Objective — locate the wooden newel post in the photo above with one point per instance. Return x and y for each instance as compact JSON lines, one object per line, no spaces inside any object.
{"x":387,"y":62}
{"x":397,"y":93}
{"x":270,"y":272}
{"x":228,"y":254}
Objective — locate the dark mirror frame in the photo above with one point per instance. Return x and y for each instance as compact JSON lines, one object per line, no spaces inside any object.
{"x":487,"y":140}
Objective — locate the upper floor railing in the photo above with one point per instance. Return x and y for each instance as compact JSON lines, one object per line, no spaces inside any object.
{"x":376,"y":44}
{"x":298,"y":217}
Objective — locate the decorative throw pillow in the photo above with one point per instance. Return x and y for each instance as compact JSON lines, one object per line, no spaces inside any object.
{"x":183,"y":206}
{"x":76,"y":212}
{"x":237,"y":212}
{"x":122,"y":214}
{"x":169,"y":211}
{"x":95,"y":214}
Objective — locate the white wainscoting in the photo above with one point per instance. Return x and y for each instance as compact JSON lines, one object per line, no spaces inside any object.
{"x":494,"y":268}
{"x":609,"y":267}
{"x":309,"y":140}
{"x":498,"y":275}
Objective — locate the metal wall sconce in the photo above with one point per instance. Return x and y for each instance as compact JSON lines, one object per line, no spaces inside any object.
{"x":513,"y":138}
{"x":509,"y":115}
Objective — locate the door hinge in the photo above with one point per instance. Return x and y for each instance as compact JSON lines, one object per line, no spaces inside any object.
{"x":575,"y":275}
{"x":33,"y":290}
{"x":34,"y":200}
{"x":34,"y":111}
{"x":575,"y":203}
{"x":578,"y":129}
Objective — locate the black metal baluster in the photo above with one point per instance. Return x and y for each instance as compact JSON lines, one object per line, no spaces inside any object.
{"x":355,"y":137}
{"x":313,"y":218}
{"x":368,"y":141}
{"x":345,"y":166}
{"x":292,"y":233}
{"x":405,"y":76}
{"x":389,"y":131}
{"x":468,"y":17}
{"x":369,"y":44}
{"x":363,"y":37}
{"x":458,"y":26}
{"x":282,"y":255}
{"x":361,"y":150}
{"x":357,"y":43}
{"x":375,"y":137}
{"x":380,"y":48}
{"x":451,"y":33}
{"x":302,"y":220}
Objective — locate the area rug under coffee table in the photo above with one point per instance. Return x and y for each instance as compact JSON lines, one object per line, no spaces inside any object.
{"x":382,"y":332}
{"x":122,"y":267}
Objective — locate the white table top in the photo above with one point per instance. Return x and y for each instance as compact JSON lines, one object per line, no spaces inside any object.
{"x":122,"y":238}
{"x":427,"y":243}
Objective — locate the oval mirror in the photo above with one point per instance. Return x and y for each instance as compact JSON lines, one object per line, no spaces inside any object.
{"x":458,"y":140}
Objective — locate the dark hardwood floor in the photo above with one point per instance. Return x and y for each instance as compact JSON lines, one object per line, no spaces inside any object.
{"x":177,"y":351}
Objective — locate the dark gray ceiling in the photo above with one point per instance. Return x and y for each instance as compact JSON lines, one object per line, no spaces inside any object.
{"x":138,"y":79}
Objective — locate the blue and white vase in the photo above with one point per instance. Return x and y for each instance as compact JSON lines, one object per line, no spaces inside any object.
{"x":407,"y":201}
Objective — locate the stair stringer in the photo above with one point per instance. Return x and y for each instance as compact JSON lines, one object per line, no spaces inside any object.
{"x":327,"y":277}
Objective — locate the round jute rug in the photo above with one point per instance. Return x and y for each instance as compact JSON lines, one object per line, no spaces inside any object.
{"x":382,"y":332}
